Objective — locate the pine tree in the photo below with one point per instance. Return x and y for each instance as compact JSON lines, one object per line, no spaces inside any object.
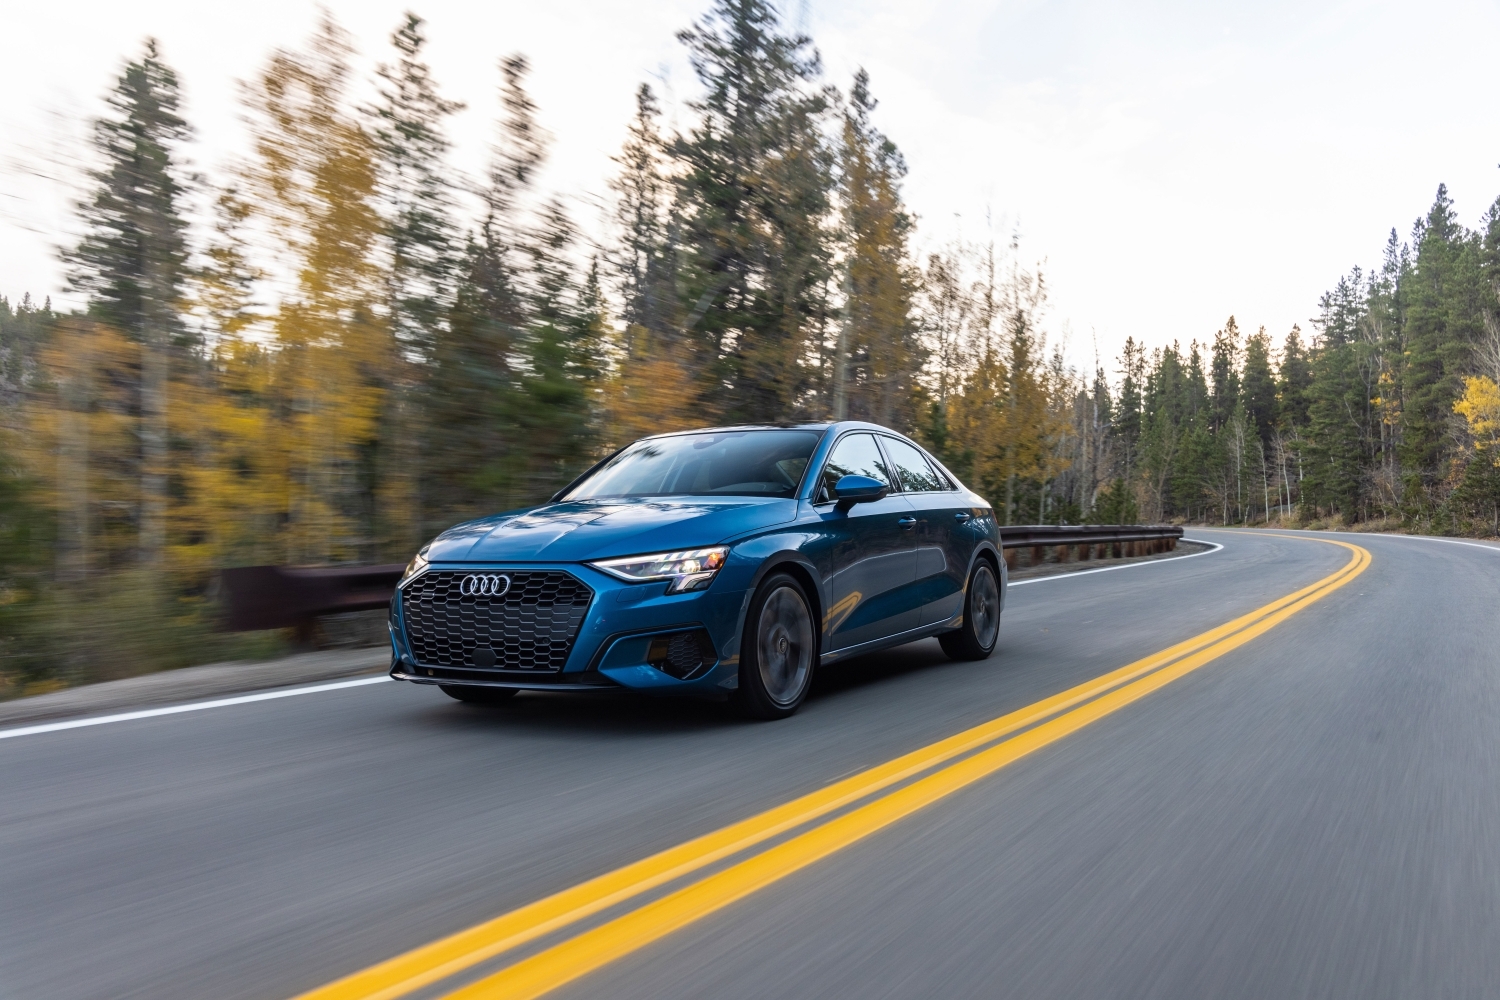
{"x":1225,"y":369}
{"x":1127,"y":421}
{"x":420,"y":275}
{"x":1442,"y":323}
{"x":1294,"y":378}
{"x":473,"y":444}
{"x":1258,"y":386}
{"x":876,"y":356}
{"x":652,"y":387}
{"x":132,"y":261}
{"x":1337,"y":451}
{"x":417,"y":190}
{"x":753,"y":185}
{"x":644,"y":260}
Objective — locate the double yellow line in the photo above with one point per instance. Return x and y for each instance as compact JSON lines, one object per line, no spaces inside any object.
{"x":1038,"y":725}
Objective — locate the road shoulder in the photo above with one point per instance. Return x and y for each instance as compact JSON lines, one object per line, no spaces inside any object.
{"x":195,"y":683}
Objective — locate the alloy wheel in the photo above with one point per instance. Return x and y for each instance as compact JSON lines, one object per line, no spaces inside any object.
{"x":784,"y":645}
{"x":984,"y":606}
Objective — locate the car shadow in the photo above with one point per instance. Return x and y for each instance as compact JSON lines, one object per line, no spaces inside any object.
{"x":876,"y":668}
{"x":628,"y":712}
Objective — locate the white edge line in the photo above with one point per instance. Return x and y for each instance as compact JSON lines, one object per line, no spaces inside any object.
{"x":1309,"y":533}
{"x":1421,"y":538}
{"x":196,"y":706}
{"x":1107,"y":569}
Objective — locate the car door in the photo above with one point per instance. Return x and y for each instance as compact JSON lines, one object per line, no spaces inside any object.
{"x":872,"y":559}
{"x":943,"y":537}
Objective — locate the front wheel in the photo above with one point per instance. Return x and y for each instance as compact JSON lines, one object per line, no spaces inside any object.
{"x":477,"y":695}
{"x":975,"y":639}
{"x":779,"y":650}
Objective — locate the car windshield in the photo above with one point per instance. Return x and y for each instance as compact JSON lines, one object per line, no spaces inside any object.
{"x":760,"y":463}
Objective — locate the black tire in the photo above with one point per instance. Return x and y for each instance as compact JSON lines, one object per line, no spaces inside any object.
{"x":779,"y":650}
{"x":477,"y":695}
{"x":976,"y":638}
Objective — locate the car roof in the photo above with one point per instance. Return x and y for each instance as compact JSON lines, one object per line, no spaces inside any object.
{"x":819,"y":425}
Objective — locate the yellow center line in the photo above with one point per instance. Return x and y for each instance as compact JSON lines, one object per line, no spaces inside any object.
{"x":436,"y":961}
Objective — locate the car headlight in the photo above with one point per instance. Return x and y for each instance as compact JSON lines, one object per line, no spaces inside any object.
{"x":690,"y":569}
{"x":417,"y":564}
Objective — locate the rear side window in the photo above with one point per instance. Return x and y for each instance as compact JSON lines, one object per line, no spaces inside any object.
{"x":854,"y":455}
{"x":916,"y":474}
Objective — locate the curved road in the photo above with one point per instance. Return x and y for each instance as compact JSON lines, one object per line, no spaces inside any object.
{"x":1314,"y":813}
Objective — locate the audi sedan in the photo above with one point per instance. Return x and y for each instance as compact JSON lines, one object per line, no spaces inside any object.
{"x":729,"y":562}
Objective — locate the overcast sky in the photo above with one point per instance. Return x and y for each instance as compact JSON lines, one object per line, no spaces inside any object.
{"x":1172,"y":162}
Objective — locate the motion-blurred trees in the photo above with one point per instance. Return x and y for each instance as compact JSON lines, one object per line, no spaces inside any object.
{"x":132,"y":264}
{"x":753,"y":177}
{"x":353,"y":346}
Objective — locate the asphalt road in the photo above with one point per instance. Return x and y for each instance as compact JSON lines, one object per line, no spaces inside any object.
{"x":1313,"y":814}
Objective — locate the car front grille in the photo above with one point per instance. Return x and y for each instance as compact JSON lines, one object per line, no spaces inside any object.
{"x":531,"y":626}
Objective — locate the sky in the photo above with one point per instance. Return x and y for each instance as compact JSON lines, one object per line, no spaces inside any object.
{"x":1167,"y":164}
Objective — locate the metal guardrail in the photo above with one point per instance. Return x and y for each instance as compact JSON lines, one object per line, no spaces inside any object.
{"x":1087,"y":541}
{"x":262,"y":597}
{"x":266,"y":597}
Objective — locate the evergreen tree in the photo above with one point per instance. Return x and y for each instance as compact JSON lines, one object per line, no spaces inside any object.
{"x":1127,"y":421}
{"x":877,"y":355}
{"x":645,"y":255}
{"x":1259,"y":386}
{"x":132,"y":260}
{"x":753,"y":175}
{"x":472,"y":442}
{"x":1225,"y":369}
{"x":653,"y":386}
{"x":1293,"y":379}
{"x":417,"y":197}
{"x":1338,"y":406}
{"x":1442,"y":324}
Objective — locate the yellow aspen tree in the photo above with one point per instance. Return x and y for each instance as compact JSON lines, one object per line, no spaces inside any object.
{"x":1480,"y":406}
{"x":314,"y":178}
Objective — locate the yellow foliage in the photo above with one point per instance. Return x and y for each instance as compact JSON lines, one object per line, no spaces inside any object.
{"x":651,"y":392}
{"x":1480,"y":406}
{"x":332,"y":357}
{"x":84,"y":442}
{"x":1010,"y":414}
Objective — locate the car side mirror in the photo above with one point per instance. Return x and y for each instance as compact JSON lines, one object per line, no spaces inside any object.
{"x":851,"y":490}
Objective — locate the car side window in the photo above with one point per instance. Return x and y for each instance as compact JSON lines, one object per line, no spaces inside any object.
{"x":854,"y":455}
{"x":916,"y":475}
{"x":949,"y":484}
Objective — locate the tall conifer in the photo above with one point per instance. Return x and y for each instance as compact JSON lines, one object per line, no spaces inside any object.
{"x":132,"y":260}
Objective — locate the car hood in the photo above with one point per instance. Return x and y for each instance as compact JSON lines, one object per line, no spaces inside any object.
{"x":598,"y":529}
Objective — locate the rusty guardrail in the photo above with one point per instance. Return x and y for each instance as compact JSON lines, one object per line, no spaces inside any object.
{"x":1086,"y":541}
{"x":266,"y":597}
{"x":262,"y":597}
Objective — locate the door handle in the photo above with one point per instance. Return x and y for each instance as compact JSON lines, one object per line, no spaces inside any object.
{"x":961,"y":518}
{"x":907,"y":522}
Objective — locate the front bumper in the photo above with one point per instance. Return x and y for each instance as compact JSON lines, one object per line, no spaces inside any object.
{"x":620,"y":641}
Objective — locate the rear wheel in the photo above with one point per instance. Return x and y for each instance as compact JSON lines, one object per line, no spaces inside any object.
{"x":976,"y":638}
{"x":779,"y":650}
{"x":477,"y":695}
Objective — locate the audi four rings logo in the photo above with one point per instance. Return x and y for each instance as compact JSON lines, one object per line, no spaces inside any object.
{"x":492,"y":585}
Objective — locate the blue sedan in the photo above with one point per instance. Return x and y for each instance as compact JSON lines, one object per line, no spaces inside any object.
{"x":726,"y":562}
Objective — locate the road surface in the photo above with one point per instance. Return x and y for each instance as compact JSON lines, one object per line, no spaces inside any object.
{"x":1313,"y":812}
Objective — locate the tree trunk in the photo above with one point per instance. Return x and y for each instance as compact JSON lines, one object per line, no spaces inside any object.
{"x":153,"y":527}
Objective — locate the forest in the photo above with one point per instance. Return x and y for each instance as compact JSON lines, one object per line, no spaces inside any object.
{"x":359,"y":347}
